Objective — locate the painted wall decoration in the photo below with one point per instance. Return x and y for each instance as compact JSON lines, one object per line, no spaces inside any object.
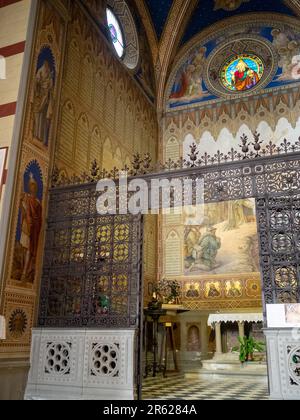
{"x":215,"y":260}
{"x":229,"y":5}
{"x":43,"y":96}
{"x":29,"y":225}
{"x":255,"y":56}
{"x":189,"y":86}
{"x":226,"y":242}
{"x":17,"y":324}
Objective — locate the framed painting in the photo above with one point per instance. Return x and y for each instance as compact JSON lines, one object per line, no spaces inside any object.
{"x":3,"y":157}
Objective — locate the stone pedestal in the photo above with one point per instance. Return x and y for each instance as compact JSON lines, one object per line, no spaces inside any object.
{"x":82,"y":365}
{"x":283,"y":347}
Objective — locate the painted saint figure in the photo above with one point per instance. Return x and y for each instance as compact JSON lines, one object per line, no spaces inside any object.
{"x":213,"y":291}
{"x":209,"y":245}
{"x":244,"y":78}
{"x":190,"y":81}
{"x":192,"y":293}
{"x":43,"y":102}
{"x":31,"y":222}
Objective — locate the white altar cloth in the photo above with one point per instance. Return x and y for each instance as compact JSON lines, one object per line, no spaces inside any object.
{"x":251,"y":317}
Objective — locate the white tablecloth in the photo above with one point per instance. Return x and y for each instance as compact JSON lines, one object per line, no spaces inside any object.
{"x":258,"y":317}
{"x":2,"y":328}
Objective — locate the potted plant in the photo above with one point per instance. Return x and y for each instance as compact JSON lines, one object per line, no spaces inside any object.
{"x":248,"y":346}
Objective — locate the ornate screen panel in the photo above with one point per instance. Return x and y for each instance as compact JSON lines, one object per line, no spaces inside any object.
{"x":92,"y":264}
{"x":279,"y":233}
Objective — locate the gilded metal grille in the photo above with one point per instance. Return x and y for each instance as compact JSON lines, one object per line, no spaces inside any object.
{"x":279,"y":234}
{"x":92,"y":264}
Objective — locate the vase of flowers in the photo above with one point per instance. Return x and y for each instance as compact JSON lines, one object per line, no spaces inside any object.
{"x":169,"y":291}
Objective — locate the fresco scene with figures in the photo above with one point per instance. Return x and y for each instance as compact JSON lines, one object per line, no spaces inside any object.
{"x":149,"y":201}
{"x":226,"y":242}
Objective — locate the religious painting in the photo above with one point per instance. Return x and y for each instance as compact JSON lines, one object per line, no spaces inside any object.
{"x":213,"y":290}
{"x":233,"y":289}
{"x":287,"y":45}
{"x":43,"y":96}
{"x":226,"y":241}
{"x":229,"y":5}
{"x":3,"y":156}
{"x":192,"y":291}
{"x":242,"y":73}
{"x":29,"y":225}
{"x":189,"y":80}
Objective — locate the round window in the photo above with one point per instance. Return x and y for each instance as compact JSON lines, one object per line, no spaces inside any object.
{"x":242,"y":72}
{"x":116,"y":33}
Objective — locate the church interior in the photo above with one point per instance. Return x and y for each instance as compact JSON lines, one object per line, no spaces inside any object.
{"x":194,"y":302}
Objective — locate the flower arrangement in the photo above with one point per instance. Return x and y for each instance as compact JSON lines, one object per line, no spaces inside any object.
{"x":169,"y":291}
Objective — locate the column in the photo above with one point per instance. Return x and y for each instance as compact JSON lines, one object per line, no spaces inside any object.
{"x":204,"y":338}
{"x":241,"y":329}
{"x":218,"y":338}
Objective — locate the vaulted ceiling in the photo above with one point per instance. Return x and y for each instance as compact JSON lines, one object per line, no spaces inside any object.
{"x":171,"y":24}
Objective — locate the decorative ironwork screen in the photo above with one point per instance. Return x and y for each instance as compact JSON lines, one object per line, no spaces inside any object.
{"x":279,"y":235}
{"x":92,"y":264}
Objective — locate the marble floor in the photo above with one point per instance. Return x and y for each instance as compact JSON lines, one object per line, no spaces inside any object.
{"x":177,"y":387}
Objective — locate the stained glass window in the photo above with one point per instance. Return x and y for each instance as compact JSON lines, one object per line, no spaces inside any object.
{"x":242,"y":72}
{"x":116,"y":33}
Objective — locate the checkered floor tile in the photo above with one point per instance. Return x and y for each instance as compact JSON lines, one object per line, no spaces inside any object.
{"x":177,"y":387}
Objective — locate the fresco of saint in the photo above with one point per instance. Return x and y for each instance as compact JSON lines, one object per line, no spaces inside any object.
{"x":213,"y":290}
{"x":29,"y":225}
{"x":43,"y":96}
{"x":31,"y":222}
{"x":233,"y":289}
{"x":189,"y":82}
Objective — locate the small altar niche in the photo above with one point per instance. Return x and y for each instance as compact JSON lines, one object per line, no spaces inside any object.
{"x":229,"y":327}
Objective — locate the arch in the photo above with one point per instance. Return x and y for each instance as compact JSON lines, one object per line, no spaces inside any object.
{"x":213,"y":31}
{"x":109,"y":113}
{"x":73,"y":66}
{"x":118,"y":160}
{"x":172,"y":249}
{"x":99,"y":92}
{"x":120,"y":120}
{"x":129,"y":126}
{"x":96,"y":146}
{"x":66,"y":135}
{"x":82,"y":142}
{"x":172,"y":149}
{"x":87,"y":82}
{"x":107,"y":155}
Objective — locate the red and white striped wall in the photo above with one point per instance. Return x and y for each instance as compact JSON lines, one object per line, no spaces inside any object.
{"x":14,"y":15}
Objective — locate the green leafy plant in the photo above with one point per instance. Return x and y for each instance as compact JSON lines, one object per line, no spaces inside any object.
{"x":248,"y":346}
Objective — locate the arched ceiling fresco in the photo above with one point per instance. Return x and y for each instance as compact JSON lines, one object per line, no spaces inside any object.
{"x":175,"y":23}
{"x":172,"y":25}
{"x":236,"y":58}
